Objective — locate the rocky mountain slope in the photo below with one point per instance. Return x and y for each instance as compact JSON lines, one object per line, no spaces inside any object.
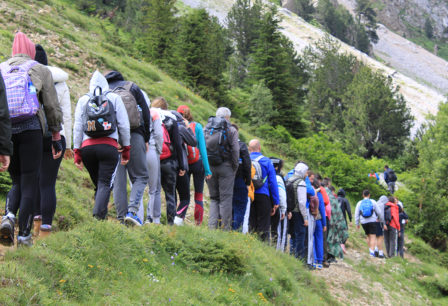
{"x":421,"y":98}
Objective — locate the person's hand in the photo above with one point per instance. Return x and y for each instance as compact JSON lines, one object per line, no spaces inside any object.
{"x":147,"y":146}
{"x":68,"y":154}
{"x":399,"y":234}
{"x":289,"y":215}
{"x":385,"y":227}
{"x":357,"y":227}
{"x":208,"y":177}
{"x":186,"y":122}
{"x":78,"y":159}
{"x":282,"y":217}
{"x":125,"y":155}
{"x":120,"y":148}
{"x":325,"y":228}
{"x":4,"y":161}
{"x":274,"y":209}
{"x":182,"y":172}
{"x":305,"y":223}
{"x":56,"y":145}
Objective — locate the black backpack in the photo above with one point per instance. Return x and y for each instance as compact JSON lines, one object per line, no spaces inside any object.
{"x":392,"y":176}
{"x":387,"y":215}
{"x":100,"y":119}
{"x":291,"y":193}
{"x":216,"y":134}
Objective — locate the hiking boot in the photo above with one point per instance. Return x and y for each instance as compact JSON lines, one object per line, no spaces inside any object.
{"x":381,"y":256}
{"x":311,"y":267}
{"x":326,"y":264}
{"x":36,"y":225}
{"x":376,"y":254}
{"x":7,"y":230}
{"x":24,"y":241}
{"x":178,"y":221}
{"x":319,"y":266}
{"x":132,"y":219}
{"x":45,"y":230}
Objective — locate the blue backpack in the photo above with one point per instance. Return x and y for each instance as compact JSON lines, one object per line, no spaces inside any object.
{"x":366,"y":208}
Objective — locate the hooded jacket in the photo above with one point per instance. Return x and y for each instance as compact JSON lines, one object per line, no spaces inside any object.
{"x":380,"y":204}
{"x":42,"y":79}
{"x":115,"y":79}
{"x":121,"y":135}
{"x":300,"y":175}
{"x":60,"y":77}
{"x":270,"y":187}
{"x":5,"y":122}
{"x":345,"y":205}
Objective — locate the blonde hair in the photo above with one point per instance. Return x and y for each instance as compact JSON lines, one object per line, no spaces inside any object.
{"x":160,"y":102}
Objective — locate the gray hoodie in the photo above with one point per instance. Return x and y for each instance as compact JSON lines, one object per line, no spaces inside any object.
{"x":300,"y":173}
{"x":122,"y":134}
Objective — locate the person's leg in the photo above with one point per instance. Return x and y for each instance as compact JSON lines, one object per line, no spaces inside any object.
{"x":213,"y":188}
{"x":253,"y":216}
{"x":301,"y":236}
{"x":273,"y":228}
{"x":30,"y":158}
{"x":311,"y":228}
{"x":387,"y":240}
{"x":325,"y":237}
{"x":120,"y":192}
{"x":226,"y":180}
{"x":400,"y":246}
{"x":239,"y":202}
{"x":246,"y":216}
{"x":154,"y":184}
{"x":183,"y":189}
{"x":169,"y":170}
{"x":197,"y":169}
{"x":393,"y":241}
{"x":13,"y":196}
{"x":138,"y":171}
{"x":293,"y":230}
{"x":319,"y":242}
{"x":47,"y":184}
{"x":108,"y":160}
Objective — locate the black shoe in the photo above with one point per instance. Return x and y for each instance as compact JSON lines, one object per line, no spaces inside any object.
{"x":381,"y":256}
{"x":332,"y":260}
{"x":326,"y":264}
{"x":311,"y":267}
{"x":7,"y":231}
{"x":376,"y":253}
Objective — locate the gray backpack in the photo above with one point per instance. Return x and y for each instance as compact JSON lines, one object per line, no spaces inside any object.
{"x":258,"y":179}
{"x":134,"y":111}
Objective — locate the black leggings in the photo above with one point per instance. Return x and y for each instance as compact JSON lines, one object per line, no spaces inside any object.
{"x":101,"y":161}
{"x":24,"y":171}
{"x":47,"y":182}
{"x":183,"y":188}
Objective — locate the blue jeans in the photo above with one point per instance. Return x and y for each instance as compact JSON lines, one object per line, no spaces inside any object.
{"x":318,"y":242}
{"x":298,"y":233}
{"x":239,"y":202}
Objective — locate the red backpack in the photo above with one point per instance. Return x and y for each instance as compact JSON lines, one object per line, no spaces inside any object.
{"x":193,"y":152}
{"x":166,"y":149}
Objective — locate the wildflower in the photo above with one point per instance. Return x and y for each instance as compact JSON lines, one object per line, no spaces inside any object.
{"x":62,"y":281}
{"x":59,"y":292}
{"x":90,"y":266}
{"x":270,"y":279}
{"x":120,"y":273}
{"x":231,"y":290}
{"x":172,"y":257}
{"x":175,"y":254}
{"x":172,"y":263}
{"x":145,"y":260}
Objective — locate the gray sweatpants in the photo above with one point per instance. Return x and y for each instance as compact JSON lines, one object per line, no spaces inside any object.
{"x":220,"y":186}
{"x":311,"y":228}
{"x":390,"y":240}
{"x":154,"y":203}
{"x":138,"y":174}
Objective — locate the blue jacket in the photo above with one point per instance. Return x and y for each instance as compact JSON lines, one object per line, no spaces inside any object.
{"x":270,"y":187}
{"x":309,"y":191}
{"x":322,"y":209}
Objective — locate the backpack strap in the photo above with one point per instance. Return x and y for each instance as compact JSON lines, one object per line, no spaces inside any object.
{"x":28,"y":65}
{"x":258,"y":158}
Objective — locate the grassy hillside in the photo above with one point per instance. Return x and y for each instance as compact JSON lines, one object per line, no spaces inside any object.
{"x":92,"y":262}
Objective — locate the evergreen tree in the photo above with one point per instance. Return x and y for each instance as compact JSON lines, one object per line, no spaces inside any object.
{"x":429,"y":30}
{"x":367,"y":15}
{"x":262,"y":104}
{"x":377,"y":120}
{"x":275,"y":61}
{"x":157,"y":41}
{"x":201,"y":53}
{"x":304,"y":8}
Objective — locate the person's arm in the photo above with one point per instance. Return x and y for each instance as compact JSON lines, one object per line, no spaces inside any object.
{"x":247,"y":165}
{"x":272,"y":181}
{"x":357,"y":213}
{"x":5,"y":123}
{"x":67,"y":114}
{"x":348,"y":208}
{"x":378,"y":212}
{"x":78,"y":132}
{"x":187,"y":135}
{"x":301,"y":199}
{"x":235,"y":148}
{"x":124,"y":130}
{"x":177,"y":144}
{"x":49,"y":99}
{"x":322,"y":210}
{"x":325,"y":196}
{"x":386,"y":179}
{"x":282,"y":195}
{"x":140,"y":98}
{"x":202,"y":148}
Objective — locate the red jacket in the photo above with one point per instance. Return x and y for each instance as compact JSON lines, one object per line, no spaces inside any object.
{"x":326,"y":202}
{"x":394,"y":211}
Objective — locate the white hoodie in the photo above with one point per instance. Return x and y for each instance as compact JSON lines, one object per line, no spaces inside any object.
{"x":123,"y":132}
{"x":60,"y":78}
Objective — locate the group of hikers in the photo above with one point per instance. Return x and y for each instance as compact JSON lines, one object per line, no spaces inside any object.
{"x":119,"y":134}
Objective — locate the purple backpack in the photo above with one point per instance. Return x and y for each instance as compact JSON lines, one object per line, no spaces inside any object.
{"x":20,"y":91}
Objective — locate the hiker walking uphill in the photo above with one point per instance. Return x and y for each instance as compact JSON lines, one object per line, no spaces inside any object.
{"x":296,"y":194}
{"x":101,"y":127}
{"x":46,"y":206}
{"x":198,"y":166}
{"x":366,"y":214}
{"x":392,"y":221}
{"x":5,"y":129}
{"x":243,"y":180}
{"x":33,"y":109}
{"x":379,"y":248}
{"x":265,"y":183}
{"x":316,"y":234}
{"x":403,"y":221}
{"x":279,"y":223}
{"x":390,"y":178}
{"x":223,"y":153}
{"x":139,"y":116}
{"x":172,"y":162}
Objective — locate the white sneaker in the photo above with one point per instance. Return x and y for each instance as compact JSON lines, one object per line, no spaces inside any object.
{"x":178,"y":221}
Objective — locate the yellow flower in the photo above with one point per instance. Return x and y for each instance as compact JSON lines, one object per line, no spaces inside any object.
{"x":62,"y":281}
{"x":59,"y":292}
{"x":145,"y":260}
{"x":120,"y":273}
{"x":90,"y":266}
{"x":231,"y":290}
